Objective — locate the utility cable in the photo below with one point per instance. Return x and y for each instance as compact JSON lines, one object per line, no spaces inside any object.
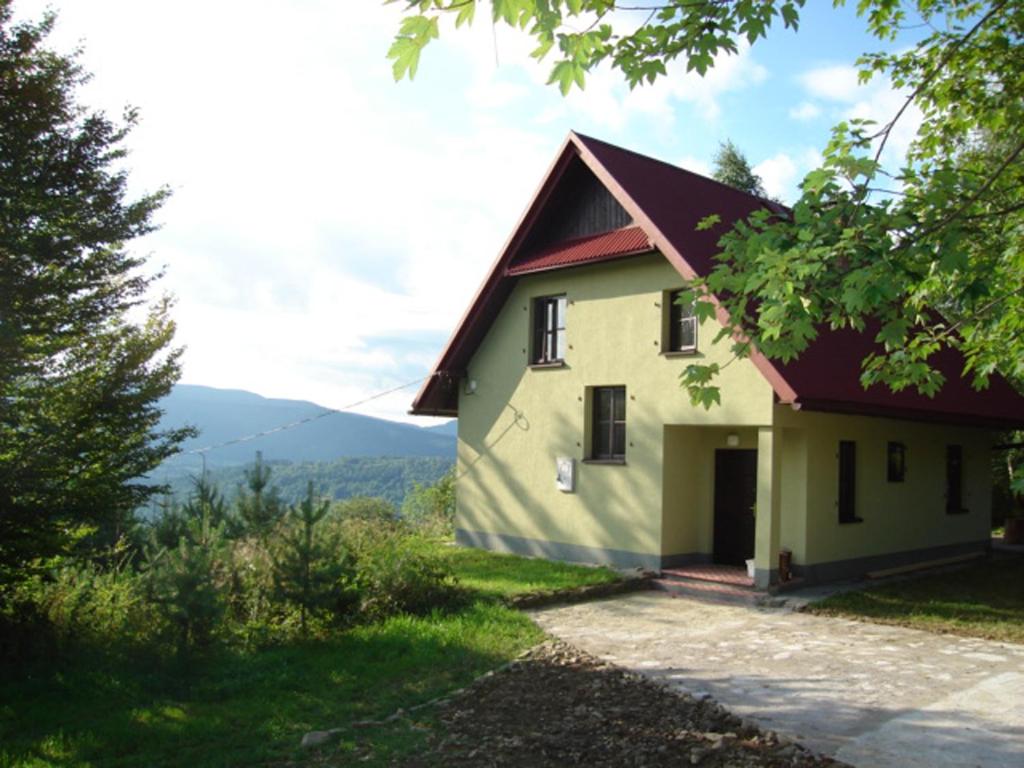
{"x":305,"y":420}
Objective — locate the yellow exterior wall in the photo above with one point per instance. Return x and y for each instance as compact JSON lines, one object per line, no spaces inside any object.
{"x":897,"y":517}
{"x":689,"y":484}
{"x":519,"y":419}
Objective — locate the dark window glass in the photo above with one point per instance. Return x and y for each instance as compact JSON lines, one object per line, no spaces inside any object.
{"x":682,"y":328}
{"x":896,"y":462}
{"x":548,"y":329}
{"x":954,"y":478}
{"x":609,"y":423}
{"x":847,"y":481}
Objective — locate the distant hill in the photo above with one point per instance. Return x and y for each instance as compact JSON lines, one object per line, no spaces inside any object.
{"x":387,"y":478}
{"x":226,"y":414}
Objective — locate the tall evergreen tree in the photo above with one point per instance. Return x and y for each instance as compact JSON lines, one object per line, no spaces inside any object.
{"x":733,"y":168}
{"x":79,"y":379}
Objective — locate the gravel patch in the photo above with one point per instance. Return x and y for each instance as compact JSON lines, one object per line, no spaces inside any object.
{"x":559,"y":706}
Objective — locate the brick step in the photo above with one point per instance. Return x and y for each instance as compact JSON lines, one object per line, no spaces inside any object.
{"x":717,"y":574}
{"x":706,"y":590}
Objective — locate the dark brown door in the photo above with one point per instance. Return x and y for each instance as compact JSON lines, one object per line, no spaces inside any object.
{"x":735,"y":497}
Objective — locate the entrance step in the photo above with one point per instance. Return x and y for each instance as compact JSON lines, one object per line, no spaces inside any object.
{"x":701,"y":589}
{"x":718,"y":574}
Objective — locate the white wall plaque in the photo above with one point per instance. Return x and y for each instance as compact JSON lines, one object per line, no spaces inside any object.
{"x":565,"y":474}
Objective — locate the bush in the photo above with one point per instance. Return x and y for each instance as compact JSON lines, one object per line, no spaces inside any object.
{"x":367,"y":508}
{"x":398,"y":571}
{"x":73,"y":606}
{"x":431,"y":508}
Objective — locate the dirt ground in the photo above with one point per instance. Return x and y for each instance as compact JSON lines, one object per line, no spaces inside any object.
{"x":559,"y":706}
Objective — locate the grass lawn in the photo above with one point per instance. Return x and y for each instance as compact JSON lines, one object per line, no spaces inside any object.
{"x":981,"y":600}
{"x":245,"y":708}
{"x":494,"y":575}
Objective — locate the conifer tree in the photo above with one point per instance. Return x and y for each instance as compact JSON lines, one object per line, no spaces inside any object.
{"x":306,"y":572}
{"x":80,"y":379}
{"x":259,"y":504}
{"x":185,"y":581}
{"x":733,"y":168}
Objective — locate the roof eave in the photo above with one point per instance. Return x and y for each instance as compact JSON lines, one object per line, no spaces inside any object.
{"x":979,"y":421}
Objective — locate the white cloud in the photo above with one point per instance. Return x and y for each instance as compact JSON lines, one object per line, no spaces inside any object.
{"x":695,"y":164}
{"x":730,"y":72}
{"x":328,"y":226}
{"x":838,"y":83}
{"x":877,"y":100}
{"x":778,"y":173}
{"x":805,"y":111}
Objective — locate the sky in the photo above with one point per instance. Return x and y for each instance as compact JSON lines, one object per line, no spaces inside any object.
{"x":328,"y":227}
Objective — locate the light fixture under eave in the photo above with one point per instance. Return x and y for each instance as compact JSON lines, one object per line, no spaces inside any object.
{"x":470,"y":386}
{"x":732,"y":440}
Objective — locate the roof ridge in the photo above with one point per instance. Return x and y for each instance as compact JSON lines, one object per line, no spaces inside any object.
{"x":768,"y":202}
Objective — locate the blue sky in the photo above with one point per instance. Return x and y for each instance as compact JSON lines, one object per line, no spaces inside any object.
{"x":328,"y":227}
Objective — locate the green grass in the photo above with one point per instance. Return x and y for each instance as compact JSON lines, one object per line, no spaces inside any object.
{"x":983,"y":600}
{"x":494,"y":575}
{"x":245,"y":708}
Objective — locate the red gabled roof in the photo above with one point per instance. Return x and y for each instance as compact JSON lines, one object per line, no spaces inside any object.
{"x":627,"y":241}
{"x":666,"y":204}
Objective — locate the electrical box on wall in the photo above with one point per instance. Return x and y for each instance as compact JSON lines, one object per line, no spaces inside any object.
{"x":565,"y":474}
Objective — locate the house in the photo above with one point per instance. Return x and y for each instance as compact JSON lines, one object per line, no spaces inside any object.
{"x":577,"y":443}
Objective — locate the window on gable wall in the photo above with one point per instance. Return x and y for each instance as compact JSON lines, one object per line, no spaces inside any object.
{"x":548,"y":330}
{"x":682,"y":325}
{"x":609,"y":423}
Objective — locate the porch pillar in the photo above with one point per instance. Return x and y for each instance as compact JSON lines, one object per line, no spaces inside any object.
{"x":769,"y":483}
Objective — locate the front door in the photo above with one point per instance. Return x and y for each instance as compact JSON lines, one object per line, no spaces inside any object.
{"x":735,"y":497}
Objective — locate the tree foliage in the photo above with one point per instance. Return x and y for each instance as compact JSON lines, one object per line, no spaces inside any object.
{"x":310,"y":571}
{"x":259,"y":504}
{"x":923,"y":254}
{"x":732,"y":167}
{"x":79,"y":378}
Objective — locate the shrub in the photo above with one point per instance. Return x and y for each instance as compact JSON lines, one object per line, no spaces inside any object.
{"x":432,"y":507}
{"x":75,"y":605}
{"x":398,"y":571}
{"x":366,"y":508}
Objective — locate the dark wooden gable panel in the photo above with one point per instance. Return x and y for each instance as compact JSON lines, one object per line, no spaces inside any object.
{"x":580,"y":206}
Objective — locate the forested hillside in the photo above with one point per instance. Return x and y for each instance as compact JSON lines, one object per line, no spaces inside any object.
{"x":385,"y":477}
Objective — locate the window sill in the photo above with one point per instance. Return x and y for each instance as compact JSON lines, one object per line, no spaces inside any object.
{"x":552,"y":364}
{"x":852,"y":521}
{"x":610,"y":462}
{"x":679,"y":353}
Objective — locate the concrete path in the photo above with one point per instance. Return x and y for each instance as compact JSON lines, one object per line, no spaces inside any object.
{"x":866,"y":694}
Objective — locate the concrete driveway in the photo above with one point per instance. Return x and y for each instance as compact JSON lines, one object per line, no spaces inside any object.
{"x":866,"y":694}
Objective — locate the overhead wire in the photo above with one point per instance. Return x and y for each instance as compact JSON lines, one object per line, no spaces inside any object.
{"x":305,"y":420}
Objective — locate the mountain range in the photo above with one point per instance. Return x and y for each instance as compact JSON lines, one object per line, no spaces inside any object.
{"x":225,"y":415}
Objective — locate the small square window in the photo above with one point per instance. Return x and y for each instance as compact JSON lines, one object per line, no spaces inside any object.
{"x":548,"y":330}
{"x":681,"y":333}
{"x":896,"y":462}
{"x":609,"y":423}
